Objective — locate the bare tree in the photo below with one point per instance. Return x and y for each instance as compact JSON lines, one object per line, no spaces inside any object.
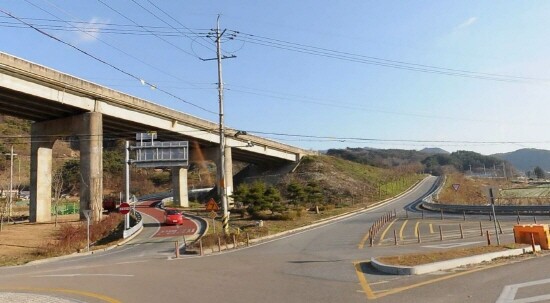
{"x":57,"y":187}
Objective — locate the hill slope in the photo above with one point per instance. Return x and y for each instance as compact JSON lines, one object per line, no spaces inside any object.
{"x":527,"y":158}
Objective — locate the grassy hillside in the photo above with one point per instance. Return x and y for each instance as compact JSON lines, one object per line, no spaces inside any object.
{"x":337,"y":180}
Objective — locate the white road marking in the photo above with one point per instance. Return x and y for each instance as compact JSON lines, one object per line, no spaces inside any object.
{"x":451,"y":245}
{"x":131,"y":262}
{"x":508,"y":294}
{"x":81,"y":275}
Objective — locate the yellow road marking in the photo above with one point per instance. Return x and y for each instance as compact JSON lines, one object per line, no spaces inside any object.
{"x":400,"y":289}
{"x":401,"y":230}
{"x":68,"y":291}
{"x":382,"y":293}
{"x":363,"y":241}
{"x":386,"y":230}
{"x":363,"y":281}
{"x":431,"y":228}
{"x":416,"y":229}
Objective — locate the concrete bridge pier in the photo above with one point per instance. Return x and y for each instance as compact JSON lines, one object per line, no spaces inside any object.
{"x":88,"y":127}
{"x":213,"y":154}
{"x":179,"y":186}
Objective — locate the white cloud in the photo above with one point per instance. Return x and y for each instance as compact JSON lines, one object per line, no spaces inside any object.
{"x":90,"y":31}
{"x":467,"y":23}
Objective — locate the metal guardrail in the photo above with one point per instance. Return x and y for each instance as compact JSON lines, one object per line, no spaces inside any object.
{"x":429,"y":204}
{"x":486,"y":209}
{"x":129,"y":232}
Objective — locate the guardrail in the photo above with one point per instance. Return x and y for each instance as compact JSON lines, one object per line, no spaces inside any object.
{"x":429,"y":204}
{"x":486,"y":209}
{"x":132,"y":230}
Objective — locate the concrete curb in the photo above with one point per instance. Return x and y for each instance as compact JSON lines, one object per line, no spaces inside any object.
{"x":449,"y":264}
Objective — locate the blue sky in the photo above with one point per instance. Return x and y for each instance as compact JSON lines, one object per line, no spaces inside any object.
{"x":274,"y":91}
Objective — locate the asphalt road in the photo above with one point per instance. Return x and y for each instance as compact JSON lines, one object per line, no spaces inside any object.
{"x":323,"y":264}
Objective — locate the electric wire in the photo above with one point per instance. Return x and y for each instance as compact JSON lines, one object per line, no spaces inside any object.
{"x":178,"y":22}
{"x":103,"y":41}
{"x":108,"y":64}
{"x":137,"y":24}
{"x":347,"y":56}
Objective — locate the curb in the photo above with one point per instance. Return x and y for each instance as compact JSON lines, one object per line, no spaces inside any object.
{"x":448,"y":264}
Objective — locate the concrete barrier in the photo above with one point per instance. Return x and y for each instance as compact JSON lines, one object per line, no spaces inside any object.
{"x":449,"y":264}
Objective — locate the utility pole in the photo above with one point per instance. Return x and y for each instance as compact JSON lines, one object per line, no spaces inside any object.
{"x":221,"y":183}
{"x":11,"y":184}
{"x":221,"y":170}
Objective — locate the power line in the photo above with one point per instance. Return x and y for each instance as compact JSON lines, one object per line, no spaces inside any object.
{"x":178,"y":22}
{"x":103,"y":41}
{"x":159,"y":37}
{"x":347,"y":56}
{"x":343,"y":139}
{"x":144,"y":82}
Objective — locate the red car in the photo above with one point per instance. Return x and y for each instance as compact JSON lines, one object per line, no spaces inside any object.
{"x":173,"y":217}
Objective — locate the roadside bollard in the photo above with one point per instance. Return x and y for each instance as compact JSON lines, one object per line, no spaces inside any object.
{"x":463,"y":216}
{"x":480,"y":229}
{"x":395,"y":213}
{"x":461,"y":231}
{"x":395,"y":237}
{"x":184,"y":244}
{"x":533,"y":243}
{"x":488,"y":239}
{"x":177,"y":243}
{"x":219,"y":244}
{"x":535,"y":219}
{"x":200,"y":244}
{"x":440,"y":233}
{"x":490,"y":218}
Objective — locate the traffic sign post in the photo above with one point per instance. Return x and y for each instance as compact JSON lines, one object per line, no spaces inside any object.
{"x":213,"y":216}
{"x":124,"y":209}
{"x":492,"y":200}
{"x":87,"y":213}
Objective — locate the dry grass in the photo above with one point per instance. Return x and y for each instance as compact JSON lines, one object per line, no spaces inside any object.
{"x":470,"y":192}
{"x":425,"y":258}
{"x":21,"y":243}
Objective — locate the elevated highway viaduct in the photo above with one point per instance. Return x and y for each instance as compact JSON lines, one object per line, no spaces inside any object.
{"x":64,"y":106}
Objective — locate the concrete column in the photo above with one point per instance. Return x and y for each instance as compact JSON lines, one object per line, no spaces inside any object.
{"x":91,"y":164}
{"x":179,"y":186}
{"x":41,"y":176}
{"x":89,"y":129}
